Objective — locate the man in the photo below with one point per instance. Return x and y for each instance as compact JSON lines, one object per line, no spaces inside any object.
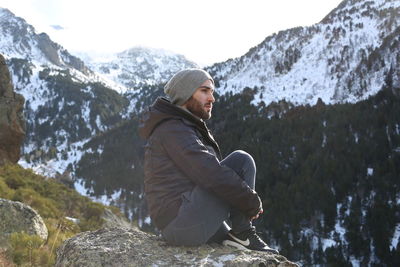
{"x":190,"y":191}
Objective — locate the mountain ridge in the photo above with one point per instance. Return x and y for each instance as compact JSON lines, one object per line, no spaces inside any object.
{"x":138,"y":66}
{"x":20,"y":40}
{"x":303,"y":64}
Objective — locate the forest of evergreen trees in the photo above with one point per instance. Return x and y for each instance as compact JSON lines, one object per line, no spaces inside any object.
{"x":320,"y":169}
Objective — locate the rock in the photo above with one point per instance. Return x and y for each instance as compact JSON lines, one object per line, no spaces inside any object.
{"x":132,"y":247}
{"x":17,"y":217}
{"x":12,"y":124}
{"x":111,"y":220}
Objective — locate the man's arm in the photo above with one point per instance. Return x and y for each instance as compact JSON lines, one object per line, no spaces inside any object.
{"x":203,"y":168}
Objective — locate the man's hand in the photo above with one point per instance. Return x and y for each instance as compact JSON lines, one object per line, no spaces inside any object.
{"x":258,"y":215}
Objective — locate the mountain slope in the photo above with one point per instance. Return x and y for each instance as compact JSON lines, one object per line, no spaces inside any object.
{"x":327,"y":174}
{"x":323,"y":61}
{"x":67,"y":103}
{"x":20,"y":40}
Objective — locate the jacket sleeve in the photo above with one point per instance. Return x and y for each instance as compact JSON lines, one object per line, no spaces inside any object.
{"x":192,"y":157}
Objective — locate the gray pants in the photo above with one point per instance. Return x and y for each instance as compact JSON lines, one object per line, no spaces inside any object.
{"x":202,"y":215}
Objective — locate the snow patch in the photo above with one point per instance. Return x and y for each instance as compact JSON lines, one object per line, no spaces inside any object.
{"x":323,"y":140}
{"x":356,"y":138}
{"x":89,"y":192}
{"x":396,"y":238}
{"x":57,"y":165}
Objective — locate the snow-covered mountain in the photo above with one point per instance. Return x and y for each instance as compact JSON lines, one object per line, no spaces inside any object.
{"x":61,"y":94}
{"x":330,"y":60}
{"x":139,"y":66}
{"x":20,"y":40}
{"x":68,"y":102}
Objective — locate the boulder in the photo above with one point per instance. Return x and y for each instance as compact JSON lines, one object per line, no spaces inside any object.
{"x":132,"y":247}
{"x":18,"y":217}
{"x":12,"y":124}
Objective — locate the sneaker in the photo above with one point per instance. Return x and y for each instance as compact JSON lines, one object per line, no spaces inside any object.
{"x":247,"y":240}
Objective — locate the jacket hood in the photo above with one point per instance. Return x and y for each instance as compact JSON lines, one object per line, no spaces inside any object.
{"x":162,"y":109}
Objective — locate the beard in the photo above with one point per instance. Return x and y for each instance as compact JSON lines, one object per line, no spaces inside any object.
{"x":197,"y":109}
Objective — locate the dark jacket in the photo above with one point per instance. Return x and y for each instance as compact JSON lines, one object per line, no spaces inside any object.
{"x":181,"y":153}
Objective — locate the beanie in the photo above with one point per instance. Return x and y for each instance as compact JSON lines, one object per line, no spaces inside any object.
{"x":184,"y":83}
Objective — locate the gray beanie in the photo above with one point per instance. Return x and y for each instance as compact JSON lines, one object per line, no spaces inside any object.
{"x":184,"y":83}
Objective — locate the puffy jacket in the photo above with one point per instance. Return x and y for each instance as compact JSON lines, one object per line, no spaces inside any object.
{"x":181,"y":153}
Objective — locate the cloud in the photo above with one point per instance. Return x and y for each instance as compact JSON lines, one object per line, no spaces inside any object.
{"x":57,"y":27}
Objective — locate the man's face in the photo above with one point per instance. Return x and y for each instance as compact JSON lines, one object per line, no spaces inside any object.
{"x":201,"y":102}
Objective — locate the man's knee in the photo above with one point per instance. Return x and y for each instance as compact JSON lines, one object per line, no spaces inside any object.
{"x":243,"y":164}
{"x":246,"y":157}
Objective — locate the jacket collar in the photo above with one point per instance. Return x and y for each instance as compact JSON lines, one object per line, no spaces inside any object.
{"x":162,"y":110}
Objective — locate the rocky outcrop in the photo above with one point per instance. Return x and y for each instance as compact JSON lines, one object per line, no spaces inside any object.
{"x":12,"y":125}
{"x":17,"y":217}
{"x":132,"y":247}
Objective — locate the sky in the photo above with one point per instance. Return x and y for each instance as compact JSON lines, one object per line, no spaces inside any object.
{"x":205,"y":31}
